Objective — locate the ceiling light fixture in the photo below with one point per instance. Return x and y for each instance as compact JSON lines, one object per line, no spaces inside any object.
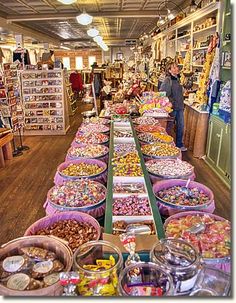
{"x":84,"y":19}
{"x":65,"y":47}
{"x":98,"y":39}
{"x":92,"y":32}
{"x":67,"y":1}
{"x":170,"y":16}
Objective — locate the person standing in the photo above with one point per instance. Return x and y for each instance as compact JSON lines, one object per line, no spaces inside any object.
{"x":174,"y":91}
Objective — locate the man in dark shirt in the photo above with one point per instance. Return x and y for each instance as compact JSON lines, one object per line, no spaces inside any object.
{"x":174,"y":91}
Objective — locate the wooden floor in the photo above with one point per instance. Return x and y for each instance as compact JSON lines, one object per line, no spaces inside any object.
{"x":25,"y":181}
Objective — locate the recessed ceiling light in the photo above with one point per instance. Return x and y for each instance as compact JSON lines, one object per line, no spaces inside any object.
{"x":67,"y":1}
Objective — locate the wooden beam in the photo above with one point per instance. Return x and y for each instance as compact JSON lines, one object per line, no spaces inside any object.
{"x":66,"y":16}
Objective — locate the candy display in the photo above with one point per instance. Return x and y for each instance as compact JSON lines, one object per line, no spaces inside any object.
{"x":123,"y":149}
{"x":120,"y":226}
{"x":180,"y":259}
{"x":31,"y":268}
{"x":96,"y":120}
{"x":82,"y":170}
{"x":93,"y":128}
{"x":74,"y":194}
{"x":145,"y":121}
{"x":93,"y":138}
{"x":123,"y":134}
{"x":88,"y":151}
{"x":131,"y":206}
{"x":160,"y":150}
{"x":155,"y":137}
{"x":131,"y":157}
{"x":169,"y":168}
{"x":153,"y":281}
{"x":150,"y":128}
{"x":74,"y":232}
{"x":128,"y":188}
{"x":209,"y":234}
{"x":98,"y":264}
{"x":175,"y":195}
{"x":127,"y":170}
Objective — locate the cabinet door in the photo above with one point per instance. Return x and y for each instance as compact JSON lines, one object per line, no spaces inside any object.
{"x":225,"y":152}
{"x":215,"y":138}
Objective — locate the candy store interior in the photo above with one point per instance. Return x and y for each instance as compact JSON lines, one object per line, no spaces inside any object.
{"x":115,"y":148}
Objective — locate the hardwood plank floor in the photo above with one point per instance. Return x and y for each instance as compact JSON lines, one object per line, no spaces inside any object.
{"x":25,"y":181}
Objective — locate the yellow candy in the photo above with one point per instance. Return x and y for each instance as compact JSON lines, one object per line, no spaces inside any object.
{"x":108,"y":290}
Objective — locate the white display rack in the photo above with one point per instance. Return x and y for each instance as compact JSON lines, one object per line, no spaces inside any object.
{"x":44,"y":99}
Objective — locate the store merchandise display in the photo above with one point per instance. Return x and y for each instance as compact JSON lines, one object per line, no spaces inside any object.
{"x":145,"y":120}
{"x":131,"y":206}
{"x":146,"y":137}
{"x":126,"y":188}
{"x":92,"y":138}
{"x":150,"y":129}
{"x":96,"y":120}
{"x":170,"y":168}
{"x":87,"y":151}
{"x":44,"y":104}
{"x":93,"y":128}
{"x":120,"y":226}
{"x":208,"y":233}
{"x":161,"y":150}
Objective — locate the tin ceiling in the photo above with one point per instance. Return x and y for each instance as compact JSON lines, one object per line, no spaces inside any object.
{"x":116,"y":20}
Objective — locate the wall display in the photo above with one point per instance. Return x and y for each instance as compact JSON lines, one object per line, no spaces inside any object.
{"x":44,"y":102}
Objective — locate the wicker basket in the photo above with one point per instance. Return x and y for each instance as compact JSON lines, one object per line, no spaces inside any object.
{"x":53,"y":244}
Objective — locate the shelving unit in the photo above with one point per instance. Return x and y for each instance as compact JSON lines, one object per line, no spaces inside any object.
{"x":71,"y":98}
{"x":188,"y":24}
{"x":44,"y":99}
{"x":109,"y":218}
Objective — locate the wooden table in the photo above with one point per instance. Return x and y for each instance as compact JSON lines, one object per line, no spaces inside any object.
{"x":5,"y":146}
{"x":195,"y":130}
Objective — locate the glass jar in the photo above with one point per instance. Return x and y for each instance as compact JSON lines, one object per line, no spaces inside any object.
{"x":153,"y":281}
{"x":212,"y":282}
{"x":180,"y":259}
{"x":98,"y":264}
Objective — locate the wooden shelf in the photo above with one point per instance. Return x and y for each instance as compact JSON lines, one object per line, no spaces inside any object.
{"x":226,"y":67}
{"x":205,"y":29}
{"x":228,"y":14}
{"x":197,"y":65}
{"x":200,"y":48}
{"x":188,"y":35}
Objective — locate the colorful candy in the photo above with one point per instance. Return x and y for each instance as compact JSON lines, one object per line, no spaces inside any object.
{"x":93,"y":128}
{"x":160,"y":150}
{"x":169,"y":167}
{"x":127,"y":188}
{"x":99,"y":279}
{"x":212,"y":242}
{"x":77,"y":193}
{"x":128,"y":170}
{"x":145,"y":121}
{"x":131,"y":206}
{"x":88,"y":151}
{"x":155,"y":137}
{"x":123,"y":134}
{"x":150,"y":128}
{"x":93,"y":138}
{"x":96,"y":120}
{"x":82,"y":170}
{"x":174,"y":195}
{"x":132,"y":157}
{"x":120,"y":149}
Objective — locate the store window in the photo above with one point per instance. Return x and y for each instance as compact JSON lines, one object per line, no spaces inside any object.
{"x":91,"y":60}
{"x":66,"y":62}
{"x":79,"y":63}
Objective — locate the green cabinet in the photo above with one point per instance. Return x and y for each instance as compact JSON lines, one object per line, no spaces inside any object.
{"x":219,"y":148}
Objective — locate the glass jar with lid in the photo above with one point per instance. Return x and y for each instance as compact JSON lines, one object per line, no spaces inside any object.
{"x":145,"y":279}
{"x":180,"y":259}
{"x":98,"y":264}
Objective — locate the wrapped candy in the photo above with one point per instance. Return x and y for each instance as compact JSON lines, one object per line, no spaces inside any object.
{"x":93,"y":128}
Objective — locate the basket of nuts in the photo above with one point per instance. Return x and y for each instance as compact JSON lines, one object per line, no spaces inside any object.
{"x":74,"y":227}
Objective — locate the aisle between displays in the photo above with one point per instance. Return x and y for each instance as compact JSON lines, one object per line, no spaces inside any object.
{"x":75,"y":170}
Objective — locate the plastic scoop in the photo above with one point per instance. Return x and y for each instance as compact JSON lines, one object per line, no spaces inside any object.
{"x":136,"y":228}
{"x":197,"y":228}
